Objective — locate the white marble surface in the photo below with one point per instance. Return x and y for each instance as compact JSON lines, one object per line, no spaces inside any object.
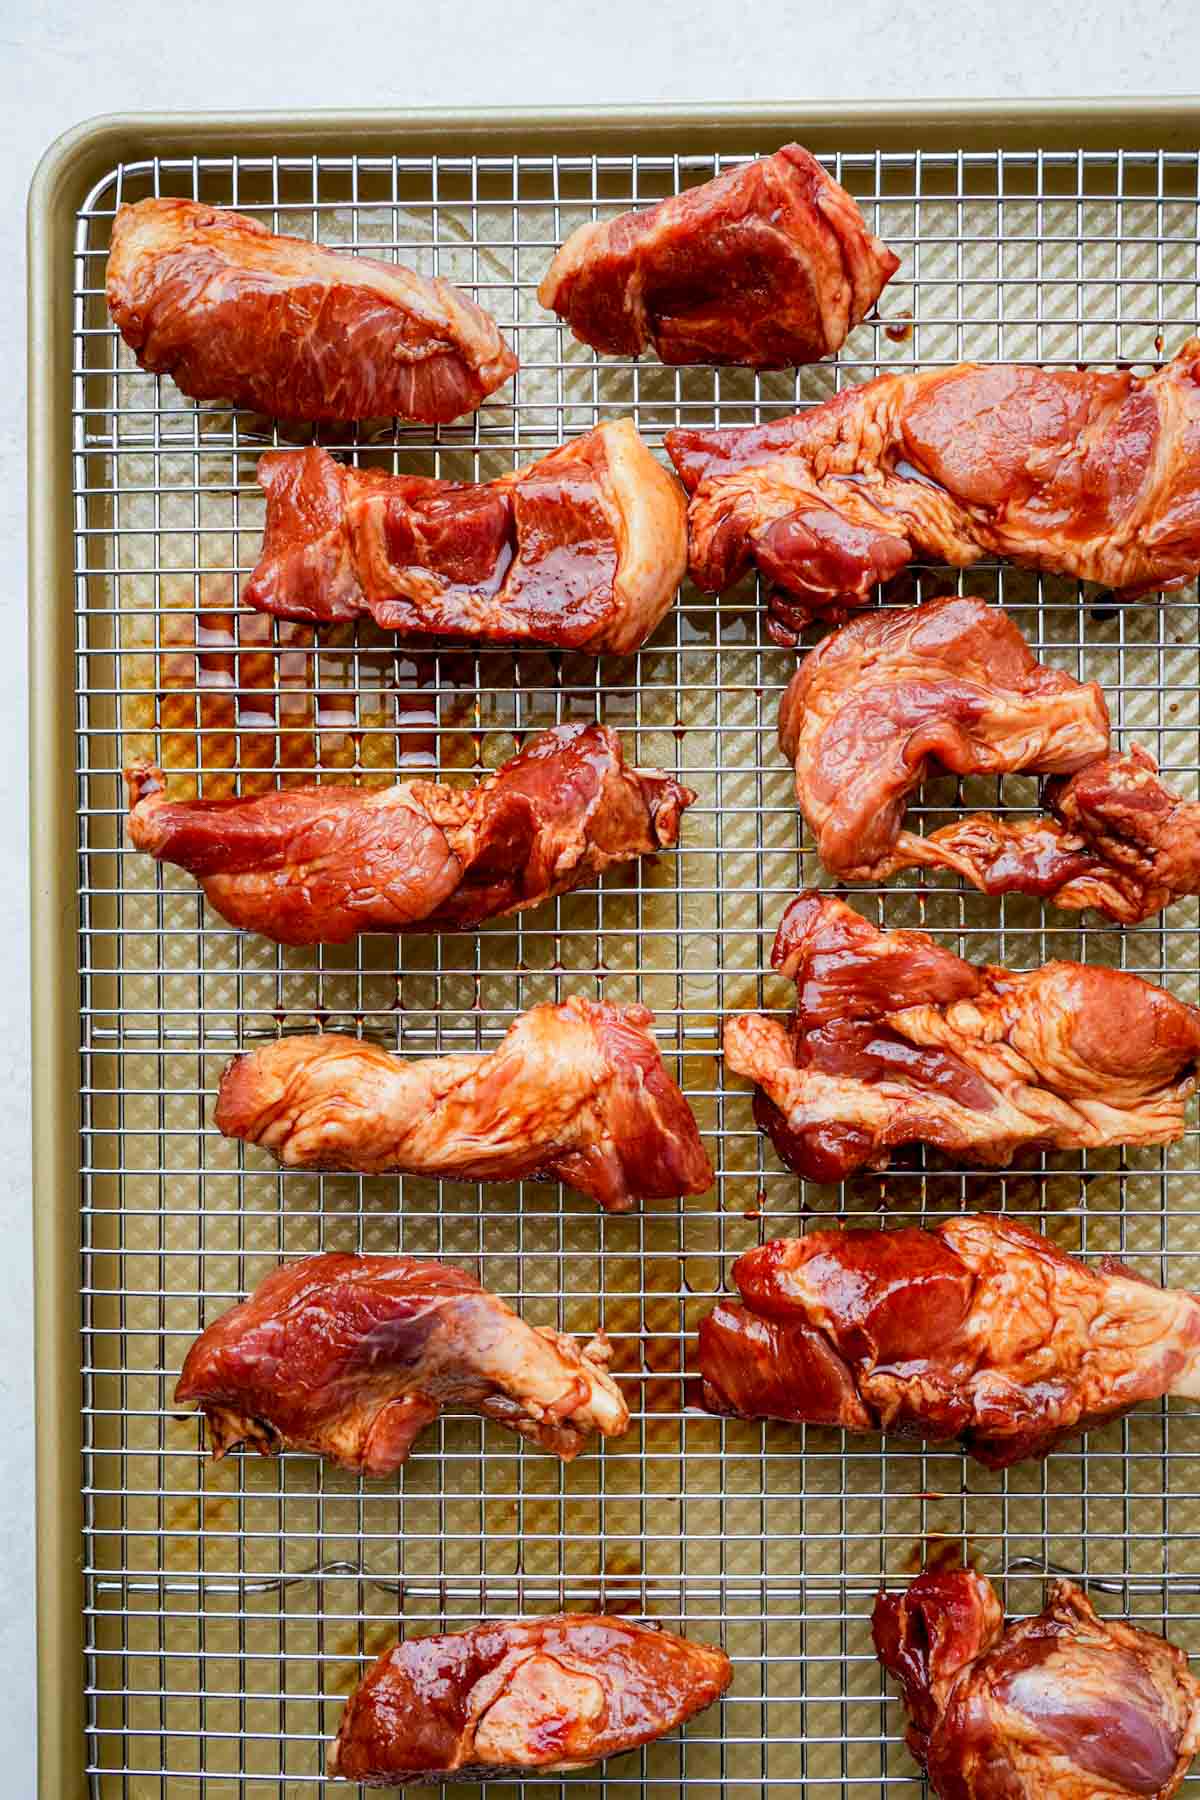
{"x":66,"y":60}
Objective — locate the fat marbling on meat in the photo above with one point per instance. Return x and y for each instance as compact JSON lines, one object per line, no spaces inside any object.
{"x":231,"y":311}
{"x":769,"y":264}
{"x":896,"y":695}
{"x":1062,"y":1706}
{"x":510,"y":1695}
{"x":581,"y":550}
{"x":979,"y":1329}
{"x":1086,"y":473}
{"x":1117,"y":839}
{"x":951,"y":684}
{"x":895,"y":1040}
{"x":350,"y":1357}
{"x":575,"y":1092}
{"x":318,"y":864}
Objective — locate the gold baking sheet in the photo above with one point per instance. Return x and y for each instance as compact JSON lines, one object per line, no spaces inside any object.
{"x":229,"y":1608}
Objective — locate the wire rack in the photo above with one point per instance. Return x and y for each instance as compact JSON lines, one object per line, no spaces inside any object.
{"x":231,"y":1607}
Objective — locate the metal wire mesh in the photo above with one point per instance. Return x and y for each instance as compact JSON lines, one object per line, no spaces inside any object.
{"x":231,"y":1607}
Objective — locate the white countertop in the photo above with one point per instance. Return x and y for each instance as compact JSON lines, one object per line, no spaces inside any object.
{"x":66,"y":60}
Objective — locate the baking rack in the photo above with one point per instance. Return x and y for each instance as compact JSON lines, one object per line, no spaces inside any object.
{"x":231,"y":1607}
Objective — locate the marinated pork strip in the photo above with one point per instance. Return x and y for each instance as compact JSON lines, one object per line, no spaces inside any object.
{"x":1064,"y":1706}
{"x":892,"y":696}
{"x":769,"y":264}
{"x":581,"y":550}
{"x":351,"y":1357}
{"x":282,"y":326}
{"x":896,"y":1041}
{"x":979,"y":1329}
{"x":950,"y":684}
{"x":521,"y":1694}
{"x":1083,"y":473}
{"x":317,"y":865}
{"x":575,"y":1092}
{"x":1119,"y":840}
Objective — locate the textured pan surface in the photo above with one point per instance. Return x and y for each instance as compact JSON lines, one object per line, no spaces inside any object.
{"x":230,"y":1608}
